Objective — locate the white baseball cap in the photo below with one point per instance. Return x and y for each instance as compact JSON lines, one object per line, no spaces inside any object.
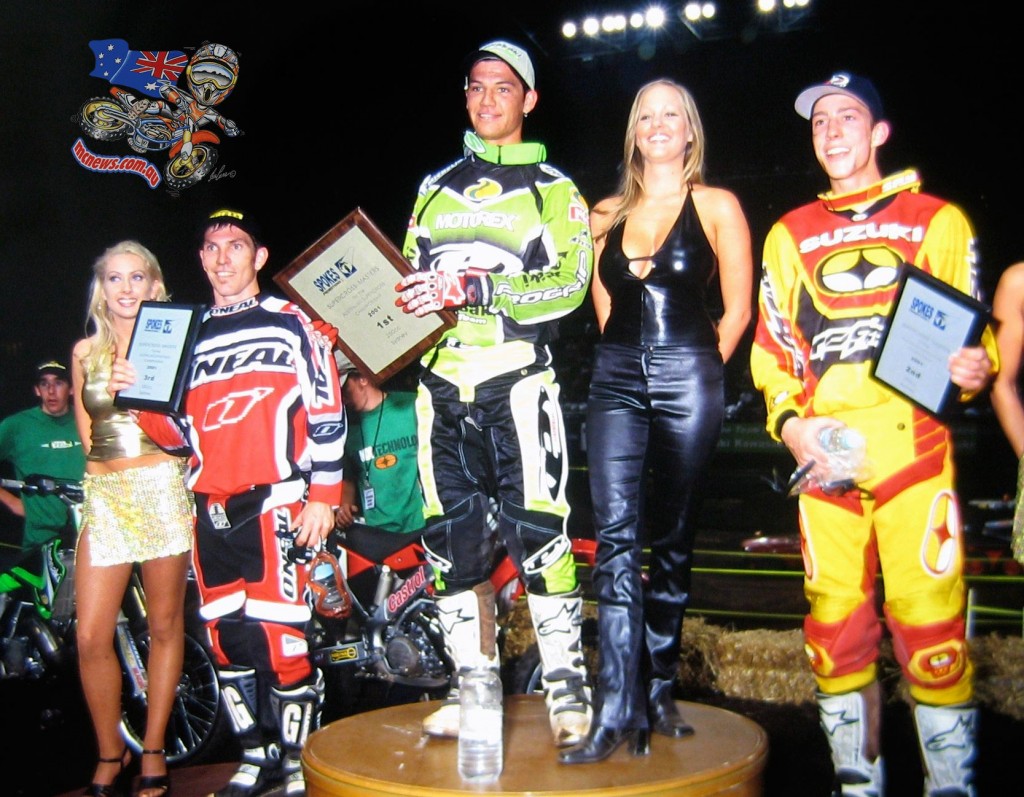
{"x":516,"y":57}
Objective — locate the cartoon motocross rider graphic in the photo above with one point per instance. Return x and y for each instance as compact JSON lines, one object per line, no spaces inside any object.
{"x":210,"y":76}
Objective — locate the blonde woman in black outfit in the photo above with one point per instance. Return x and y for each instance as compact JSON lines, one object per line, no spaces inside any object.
{"x":656,"y":403}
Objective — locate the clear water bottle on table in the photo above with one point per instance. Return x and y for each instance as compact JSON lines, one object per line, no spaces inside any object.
{"x":481,"y":755}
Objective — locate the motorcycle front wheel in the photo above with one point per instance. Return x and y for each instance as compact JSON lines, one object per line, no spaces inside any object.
{"x":181,"y":172}
{"x":197,"y":726}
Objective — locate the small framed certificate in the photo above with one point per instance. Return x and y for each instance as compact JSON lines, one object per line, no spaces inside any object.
{"x":161,"y":351}
{"x":928,"y":322}
{"x":348,"y":279}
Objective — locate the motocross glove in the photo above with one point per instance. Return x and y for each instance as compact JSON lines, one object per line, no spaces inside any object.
{"x":326,"y":331}
{"x":429,"y":291}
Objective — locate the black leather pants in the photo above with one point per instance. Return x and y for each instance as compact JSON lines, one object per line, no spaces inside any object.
{"x":654,"y":417}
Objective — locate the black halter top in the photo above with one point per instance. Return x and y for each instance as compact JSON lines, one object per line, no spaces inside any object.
{"x":667,"y":307}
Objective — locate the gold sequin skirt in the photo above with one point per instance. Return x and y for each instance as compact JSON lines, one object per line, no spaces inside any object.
{"x":138,"y":514}
{"x":1017,"y":536}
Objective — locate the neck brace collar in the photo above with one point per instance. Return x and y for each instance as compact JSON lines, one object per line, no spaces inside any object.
{"x":893,"y":184}
{"x":507,"y":155}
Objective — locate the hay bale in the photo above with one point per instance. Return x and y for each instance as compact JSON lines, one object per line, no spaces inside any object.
{"x":999,"y":673}
{"x":519,"y":633}
{"x":697,"y":654}
{"x":764,"y":665}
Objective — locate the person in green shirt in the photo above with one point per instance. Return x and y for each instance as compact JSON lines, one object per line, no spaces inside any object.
{"x":382,"y":487}
{"x":43,"y":440}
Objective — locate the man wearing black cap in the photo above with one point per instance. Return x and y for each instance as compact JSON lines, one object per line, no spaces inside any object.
{"x":502,"y":238}
{"x":830,"y":275}
{"x":43,"y":441}
{"x":264,"y":424}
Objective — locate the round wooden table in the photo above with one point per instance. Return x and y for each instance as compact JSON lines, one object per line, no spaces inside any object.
{"x":385,"y":752}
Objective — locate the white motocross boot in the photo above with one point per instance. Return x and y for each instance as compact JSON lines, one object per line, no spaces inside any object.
{"x":947,"y":738}
{"x":556,"y":621}
{"x":469,"y":623}
{"x":844,"y":718}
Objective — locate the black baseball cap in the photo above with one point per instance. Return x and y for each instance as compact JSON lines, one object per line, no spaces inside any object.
{"x":54,"y":368}
{"x":860,"y":88}
{"x":242,"y":219}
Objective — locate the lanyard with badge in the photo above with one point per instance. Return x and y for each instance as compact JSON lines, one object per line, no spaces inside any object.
{"x":366,"y":456}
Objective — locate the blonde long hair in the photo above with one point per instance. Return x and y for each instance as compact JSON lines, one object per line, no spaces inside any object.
{"x":631,"y":184}
{"x":99,"y":321}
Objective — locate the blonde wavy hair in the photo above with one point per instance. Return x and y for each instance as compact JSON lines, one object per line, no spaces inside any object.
{"x":99,"y":322}
{"x":631,"y":184}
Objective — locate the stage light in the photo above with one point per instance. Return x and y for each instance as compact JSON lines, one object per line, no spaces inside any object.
{"x":613,"y":23}
{"x":785,"y":16}
{"x":695,"y":12}
{"x":655,"y":17}
{"x":644,"y":29}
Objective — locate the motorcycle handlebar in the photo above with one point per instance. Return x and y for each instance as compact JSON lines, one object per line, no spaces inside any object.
{"x":37,"y":484}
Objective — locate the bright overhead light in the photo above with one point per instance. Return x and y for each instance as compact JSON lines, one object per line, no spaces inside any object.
{"x":591,"y":26}
{"x":695,"y":12}
{"x":636,"y":20}
{"x":613,"y":23}
{"x":655,"y":17}
{"x":569,"y":30}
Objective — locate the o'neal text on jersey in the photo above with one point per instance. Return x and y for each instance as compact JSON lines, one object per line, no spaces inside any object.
{"x":265,"y":355}
{"x":854,"y":233}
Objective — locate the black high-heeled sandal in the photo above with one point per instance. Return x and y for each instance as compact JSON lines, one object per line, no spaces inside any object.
{"x":113,"y":788}
{"x":602,"y":741}
{"x":161,"y":784}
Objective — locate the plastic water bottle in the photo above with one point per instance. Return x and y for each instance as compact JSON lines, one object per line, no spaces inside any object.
{"x":845,"y":447}
{"x":481,"y":755}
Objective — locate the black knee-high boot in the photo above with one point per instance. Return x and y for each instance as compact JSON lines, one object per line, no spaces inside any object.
{"x":663,"y":624}
{"x":620,"y":715}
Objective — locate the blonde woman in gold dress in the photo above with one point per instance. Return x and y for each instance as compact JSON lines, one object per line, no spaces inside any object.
{"x":136,"y":510}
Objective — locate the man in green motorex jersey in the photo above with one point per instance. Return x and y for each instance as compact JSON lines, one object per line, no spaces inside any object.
{"x":503,"y":239}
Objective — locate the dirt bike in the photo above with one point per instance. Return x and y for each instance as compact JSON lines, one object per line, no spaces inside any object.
{"x":37,"y":636}
{"x":124,"y":117}
{"x":384,"y":628}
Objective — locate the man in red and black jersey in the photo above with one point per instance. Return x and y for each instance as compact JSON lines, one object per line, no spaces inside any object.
{"x":831,"y":271}
{"x":264,"y":425}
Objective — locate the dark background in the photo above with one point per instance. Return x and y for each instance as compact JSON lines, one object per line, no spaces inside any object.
{"x":351,"y":104}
